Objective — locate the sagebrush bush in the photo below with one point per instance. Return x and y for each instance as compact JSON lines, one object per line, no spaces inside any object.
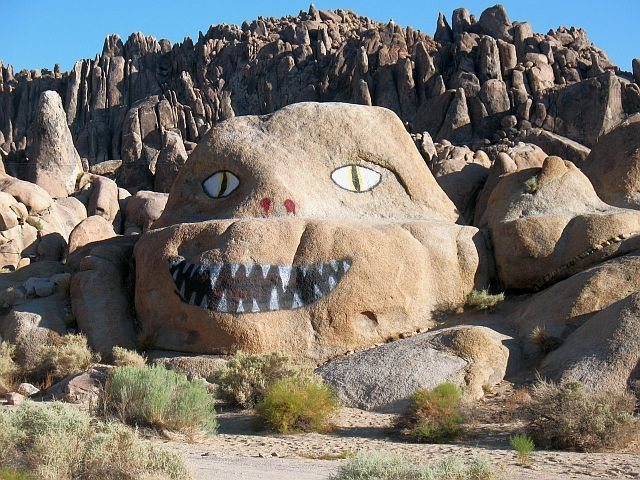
{"x":55,"y":441}
{"x":387,"y":466}
{"x":301,"y":403}
{"x":13,"y":474}
{"x":8,"y":368}
{"x":483,"y":300}
{"x":244,"y":379}
{"x":567,"y":417}
{"x":127,"y":358}
{"x":66,"y":355}
{"x":433,"y":414}
{"x":160,"y":398}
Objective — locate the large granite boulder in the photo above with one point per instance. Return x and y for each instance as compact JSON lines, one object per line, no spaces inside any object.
{"x":280,"y":235}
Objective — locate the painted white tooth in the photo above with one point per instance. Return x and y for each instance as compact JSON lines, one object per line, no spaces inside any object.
{"x":192,"y":300}
{"x":240,"y":307}
{"x":214,"y":271}
{"x":196,"y":270}
{"x":182,"y":289}
{"x":255,"y":308}
{"x":346,"y":265}
{"x":332,"y":283}
{"x":186,"y":267}
{"x":319,"y":268}
{"x":248,"y":267}
{"x":273,"y":301}
{"x":285,"y":275}
{"x":234,"y":269}
{"x":222,"y":304}
{"x":265,"y":270}
{"x":316,"y":291}
{"x":304,"y":269}
{"x":175,"y":274}
{"x":297,"y":303}
{"x":334,"y":264}
{"x":205,"y":302}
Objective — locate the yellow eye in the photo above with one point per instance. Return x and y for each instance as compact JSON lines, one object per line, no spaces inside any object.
{"x":220,"y":184}
{"x":356,"y":178}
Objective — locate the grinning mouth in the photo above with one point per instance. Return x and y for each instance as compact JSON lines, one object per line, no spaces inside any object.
{"x":254,"y":288}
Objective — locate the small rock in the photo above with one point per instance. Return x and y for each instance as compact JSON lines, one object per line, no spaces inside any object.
{"x":27,"y":389}
{"x":14,"y":398}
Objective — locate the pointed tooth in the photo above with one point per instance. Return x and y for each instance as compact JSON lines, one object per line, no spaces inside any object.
{"x":304,"y":269}
{"x":205,"y":302}
{"x":234,"y":269}
{"x":176,"y":272}
{"x":285,"y":275}
{"x":222,"y":304}
{"x":214,"y":271}
{"x":186,"y":267}
{"x":346,"y":265}
{"x":334,"y":264}
{"x":317,"y":292}
{"x":332,"y":283}
{"x":196,"y":270}
{"x":265,"y":270}
{"x":254,"y":307}
{"x":296,"y":303}
{"x":319,"y":267}
{"x":273,"y":301}
{"x":192,"y":300}
{"x":182,"y":289}
{"x":248,"y":268}
{"x":240,"y":307}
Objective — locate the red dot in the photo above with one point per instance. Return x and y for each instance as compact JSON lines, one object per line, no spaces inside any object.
{"x":265,"y":204}
{"x":290,"y":206}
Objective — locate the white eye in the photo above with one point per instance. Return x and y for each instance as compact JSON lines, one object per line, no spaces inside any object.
{"x":356,"y":178}
{"x":220,"y":184}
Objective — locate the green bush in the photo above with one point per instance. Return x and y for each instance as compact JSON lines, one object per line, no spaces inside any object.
{"x":531,"y":185}
{"x":13,"y":474}
{"x":127,"y":358}
{"x":67,"y":355}
{"x":483,"y":300}
{"x":433,"y":414}
{"x":244,"y":379}
{"x":524,"y":445}
{"x":301,"y":403}
{"x":567,"y":417}
{"x":387,"y":466}
{"x":160,"y":398}
{"x":8,"y":368}
{"x":55,"y":441}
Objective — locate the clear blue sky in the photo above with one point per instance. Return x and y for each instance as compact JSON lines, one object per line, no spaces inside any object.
{"x":40,"y":33}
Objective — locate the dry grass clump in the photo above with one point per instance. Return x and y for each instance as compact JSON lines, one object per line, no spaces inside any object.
{"x":57,"y":441}
{"x":388,"y":466}
{"x":159,"y":398}
{"x":483,"y":300}
{"x":433,"y":414}
{"x":301,"y":403}
{"x":546,"y":343}
{"x":8,"y":368}
{"x":567,"y":417}
{"x":127,"y":358}
{"x":66,"y":355}
{"x":244,"y":379}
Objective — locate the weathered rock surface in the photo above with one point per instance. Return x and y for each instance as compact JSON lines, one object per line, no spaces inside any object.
{"x":80,"y":389}
{"x":384,"y":377}
{"x":91,"y":229}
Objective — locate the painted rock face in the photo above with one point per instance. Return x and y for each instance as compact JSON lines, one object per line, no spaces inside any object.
{"x":313,"y":231}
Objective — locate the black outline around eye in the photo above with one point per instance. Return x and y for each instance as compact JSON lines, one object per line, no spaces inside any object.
{"x":213,"y":174}
{"x":359,"y":166}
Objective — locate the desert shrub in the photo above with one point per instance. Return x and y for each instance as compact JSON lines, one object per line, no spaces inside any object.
{"x":483,"y":300}
{"x":66,"y":355}
{"x":567,"y":417}
{"x":244,"y":379}
{"x":531,"y":185}
{"x":160,"y":398}
{"x":8,"y":368}
{"x":127,"y":358}
{"x":55,"y":441}
{"x":523,"y":445}
{"x":546,"y":343}
{"x":300,"y":403}
{"x":433,"y":414}
{"x":13,"y":474}
{"x":387,"y":466}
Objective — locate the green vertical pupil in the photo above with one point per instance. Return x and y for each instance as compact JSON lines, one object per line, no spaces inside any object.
{"x":354,"y":178}
{"x":223,"y":184}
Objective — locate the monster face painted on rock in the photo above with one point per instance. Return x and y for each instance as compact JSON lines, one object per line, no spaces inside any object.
{"x":313,"y":231}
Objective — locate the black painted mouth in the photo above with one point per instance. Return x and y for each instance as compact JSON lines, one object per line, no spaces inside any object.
{"x":254,"y":288}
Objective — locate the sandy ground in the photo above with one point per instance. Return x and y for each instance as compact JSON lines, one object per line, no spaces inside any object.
{"x":238,"y":451}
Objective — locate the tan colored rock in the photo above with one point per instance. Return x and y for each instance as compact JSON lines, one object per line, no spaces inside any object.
{"x":92,"y":229}
{"x":103,"y":199}
{"x":35,"y":198}
{"x":194,"y":366}
{"x":27,"y":390}
{"x":613,"y":165}
{"x":83,"y":388}
{"x":14,"y":398}
{"x":547,"y":224}
{"x":300,"y":259}
{"x":15,"y":242}
{"x":143,"y":209}
{"x":54,"y":163}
